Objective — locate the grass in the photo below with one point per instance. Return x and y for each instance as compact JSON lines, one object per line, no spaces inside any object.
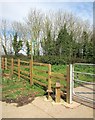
{"x":14,"y":88}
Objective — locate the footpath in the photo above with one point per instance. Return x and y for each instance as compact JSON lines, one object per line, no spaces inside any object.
{"x":41,"y":108}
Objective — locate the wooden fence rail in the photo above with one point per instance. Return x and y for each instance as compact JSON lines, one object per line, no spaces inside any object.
{"x":16,"y":68}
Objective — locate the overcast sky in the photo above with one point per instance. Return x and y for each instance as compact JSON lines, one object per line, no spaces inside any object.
{"x":15,"y":10}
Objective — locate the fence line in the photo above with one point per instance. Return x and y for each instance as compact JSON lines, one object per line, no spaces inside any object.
{"x":17,"y":66}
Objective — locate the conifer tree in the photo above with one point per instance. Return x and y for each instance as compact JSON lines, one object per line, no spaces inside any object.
{"x":17,"y":45}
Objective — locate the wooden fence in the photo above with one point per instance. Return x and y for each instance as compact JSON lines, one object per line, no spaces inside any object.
{"x":27,"y":70}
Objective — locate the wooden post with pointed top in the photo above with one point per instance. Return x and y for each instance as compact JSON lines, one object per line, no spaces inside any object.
{"x":57,"y":91}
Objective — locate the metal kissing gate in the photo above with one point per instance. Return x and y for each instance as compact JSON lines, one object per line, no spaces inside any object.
{"x":82,"y":84}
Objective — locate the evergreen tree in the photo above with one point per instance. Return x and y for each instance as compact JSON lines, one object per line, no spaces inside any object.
{"x":28,"y":48}
{"x":84,"y":43}
{"x":17,"y":45}
{"x":48,"y":44}
{"x":90,"y":51}
{"x":63,"y":42}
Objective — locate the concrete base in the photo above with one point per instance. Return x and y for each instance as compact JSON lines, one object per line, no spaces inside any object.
{"x":72,"y":105}
{"x":62,"y":102}
{"x":58,"y":103}
{"x":45,"y":99}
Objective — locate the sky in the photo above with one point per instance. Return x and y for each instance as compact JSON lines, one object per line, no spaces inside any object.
{"x":13,"y":10}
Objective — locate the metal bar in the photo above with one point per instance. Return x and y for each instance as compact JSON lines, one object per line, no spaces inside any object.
{"x":84,"y":101}
{"x":85,"y":92}
{"x":83,"y":85}
{"x":91,"y":83}
{"x":73,"y":76}
{"x":84,"y":73}
{"x":84,"y":64}
{"x":71,"y":83}
{"x":85,"y":98}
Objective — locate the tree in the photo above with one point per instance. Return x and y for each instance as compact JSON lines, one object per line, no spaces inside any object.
{"x":17,"y":45}
{"x":21,"y":29}
{"x":84,"y":43}
{"x":28,"y":48}
{"x":90,"y":51}
{"x":33,"y":21}
{"x":48,"y":44}
{"x":4,"y":38}
{"x":63,"y":43}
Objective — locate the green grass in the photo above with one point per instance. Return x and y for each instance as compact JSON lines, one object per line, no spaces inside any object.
{"x":85,"y":69}
{"x":14,"y":88}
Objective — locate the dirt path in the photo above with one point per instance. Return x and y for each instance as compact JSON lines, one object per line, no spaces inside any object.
{"x":40,"y":108}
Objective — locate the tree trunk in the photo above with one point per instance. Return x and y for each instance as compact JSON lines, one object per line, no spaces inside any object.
{"x":4,"y":49}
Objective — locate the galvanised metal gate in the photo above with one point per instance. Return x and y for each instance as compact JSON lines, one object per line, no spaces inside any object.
{"x":82,"y":83}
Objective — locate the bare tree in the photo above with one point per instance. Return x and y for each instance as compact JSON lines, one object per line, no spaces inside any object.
{"x":34,"y":21}
{"x":4,"y":26}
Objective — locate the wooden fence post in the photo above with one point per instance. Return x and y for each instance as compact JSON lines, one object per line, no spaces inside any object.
{"x":49,"y":82}
{"x":6,"y":63}
{"x":57,"y":91}
{"x":12,"y":65}
{"x":69,"y":84}
{"x":3,"y":63}
{"x":18,"y":68}
{"x":31,"y":72}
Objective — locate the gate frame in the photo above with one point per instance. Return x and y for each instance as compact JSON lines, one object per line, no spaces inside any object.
{"x":72,"y":79}
{"x":70,"y":84}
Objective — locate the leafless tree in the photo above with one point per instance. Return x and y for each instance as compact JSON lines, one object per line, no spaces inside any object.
{"x":34,"y":21}
{"x":4,"y":26}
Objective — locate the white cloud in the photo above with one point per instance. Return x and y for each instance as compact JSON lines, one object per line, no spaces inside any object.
{"x":19,"y":10}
